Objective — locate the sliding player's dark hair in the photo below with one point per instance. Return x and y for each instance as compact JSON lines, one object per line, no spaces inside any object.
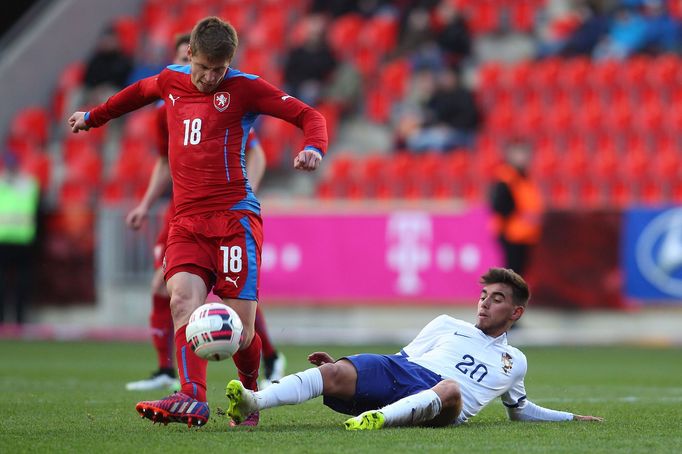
{"x":520,"y":291}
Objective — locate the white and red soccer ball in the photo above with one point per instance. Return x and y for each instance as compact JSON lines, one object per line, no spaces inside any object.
{"x":214,"y":331}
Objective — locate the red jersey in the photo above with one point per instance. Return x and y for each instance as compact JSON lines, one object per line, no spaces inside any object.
{"x":208,"y":132}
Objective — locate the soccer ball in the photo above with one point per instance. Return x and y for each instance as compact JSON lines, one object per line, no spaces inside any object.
{"x":214,"y":331}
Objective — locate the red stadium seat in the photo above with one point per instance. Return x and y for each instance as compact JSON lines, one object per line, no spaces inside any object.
{"x":239,"y":14}
{"x":575,"y":73}
{"x":378,"y":105}
{"x":127,"y":30}
{"x":634,"y":72}
{"x":590,"y":193}
{"x":605,"y":75}
{"x":651,"y":191}
{"x":380,"y":33}
{"x":74,"y":193}
{"x":483,"y":16}
{"x":620,"y":192}
{"x":664,"y":72}
{"x":344,"y":33}
{"x":31,"y":124}
{"x":560,"y":194}
{"x":70,"y":79}
{"x":545,"y":75}
{"x":86,"y":170}
{"x":40,"y":166}
{"x":522,"y":15}
{"x":394,"y":78}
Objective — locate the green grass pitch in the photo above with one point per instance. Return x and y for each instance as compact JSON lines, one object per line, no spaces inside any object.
{"x":70,"y":397}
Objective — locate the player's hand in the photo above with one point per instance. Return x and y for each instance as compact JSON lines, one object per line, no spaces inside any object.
{"x":136,"y":217}
{"x":320,"y":358}
{"x":307,"y":160}
{"x":587,"y":418}
{"x":77,"y":122}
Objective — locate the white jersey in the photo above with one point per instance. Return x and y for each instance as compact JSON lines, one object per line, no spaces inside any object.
{"x":485,"y":367}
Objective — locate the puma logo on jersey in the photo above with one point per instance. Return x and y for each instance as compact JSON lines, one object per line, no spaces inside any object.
{"x":234,"y":281}
{"x":285,"y":97}
{"x":172,"y":98}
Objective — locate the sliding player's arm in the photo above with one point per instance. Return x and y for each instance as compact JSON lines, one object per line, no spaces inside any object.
{"x":519,"y":408}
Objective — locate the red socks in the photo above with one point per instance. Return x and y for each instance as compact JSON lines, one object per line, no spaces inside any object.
{"x":191,"y":368}
{"x":268,"y":349}
{"x":247,"y":362}
{"x":161,"y":323}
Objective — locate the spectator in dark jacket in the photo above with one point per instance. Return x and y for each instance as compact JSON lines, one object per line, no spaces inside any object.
{"x":310,"y":65}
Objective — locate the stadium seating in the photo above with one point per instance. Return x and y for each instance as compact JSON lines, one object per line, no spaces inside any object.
{"x":605,"y":132}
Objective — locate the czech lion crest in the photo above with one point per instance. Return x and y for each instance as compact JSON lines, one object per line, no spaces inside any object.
{"x":221,"y":100}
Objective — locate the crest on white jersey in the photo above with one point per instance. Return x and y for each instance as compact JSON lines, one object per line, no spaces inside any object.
{"x":507,"y":363}
{"x":221,"y":100}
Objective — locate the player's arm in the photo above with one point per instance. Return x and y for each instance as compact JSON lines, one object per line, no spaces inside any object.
{"x":320,"y":358}
{"x":130,"y":98}
{"x":526,"y":410}
{"x":159,"y":181}
{"x":272,"y":101}
{"x":519,"y":408}
{"x":255,"y":161}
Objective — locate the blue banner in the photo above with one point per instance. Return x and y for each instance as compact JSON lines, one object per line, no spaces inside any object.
{"x":652,"y":254}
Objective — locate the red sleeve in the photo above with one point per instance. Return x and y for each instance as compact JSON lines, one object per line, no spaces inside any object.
{"x":130,"y":98}
{"x":270,"y":100}
{"x":162,"y":131}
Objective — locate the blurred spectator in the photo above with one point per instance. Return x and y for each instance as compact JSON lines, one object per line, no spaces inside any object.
{"x":577,"y":33}
{"x":453,"y":38}
{"x":450,"y":119}
{"x":107,"y":69}
{"x":638,"y":29}
{"x":310,"y":65}
{"x":517,"y":206}
{"x":19,"y":204}
{"x":418,"y":41}
{"x":153,"y":60}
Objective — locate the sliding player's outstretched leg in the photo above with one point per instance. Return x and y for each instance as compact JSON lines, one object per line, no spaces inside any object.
{"x":242,"y":402}
{"x":369,"y":420}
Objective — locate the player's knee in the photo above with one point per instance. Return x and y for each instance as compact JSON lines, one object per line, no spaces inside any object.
{"x":339,"y":379}
{"x":449,"y":392}
{"x":158,"y":284}
{"x":451,"y":403}
{"x":248,"y":332}
{"x":181,"y":306}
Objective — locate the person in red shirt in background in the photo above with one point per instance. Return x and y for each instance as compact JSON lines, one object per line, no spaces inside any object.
{"x":160,"y":320}
{"x":215,"y":238}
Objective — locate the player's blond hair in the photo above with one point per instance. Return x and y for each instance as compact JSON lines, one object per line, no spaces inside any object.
{"x":520,"y":290}
{"x":214,"y":38}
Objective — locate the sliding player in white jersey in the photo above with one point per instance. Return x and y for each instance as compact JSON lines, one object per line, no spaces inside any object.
{"x":446,"y":375}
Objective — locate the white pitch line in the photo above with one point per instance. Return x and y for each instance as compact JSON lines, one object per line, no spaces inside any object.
{"x":624,"y":399}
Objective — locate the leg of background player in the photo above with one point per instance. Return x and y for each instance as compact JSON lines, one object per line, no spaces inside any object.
{"x":274,"y":362}
{"x":163,"y":339}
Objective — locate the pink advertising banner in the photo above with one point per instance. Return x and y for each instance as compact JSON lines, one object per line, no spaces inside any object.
{"x":387,"y":258}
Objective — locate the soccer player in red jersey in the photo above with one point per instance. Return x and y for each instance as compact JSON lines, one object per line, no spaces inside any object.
{"x":160,"y":320}
{"x":215,"y":237}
